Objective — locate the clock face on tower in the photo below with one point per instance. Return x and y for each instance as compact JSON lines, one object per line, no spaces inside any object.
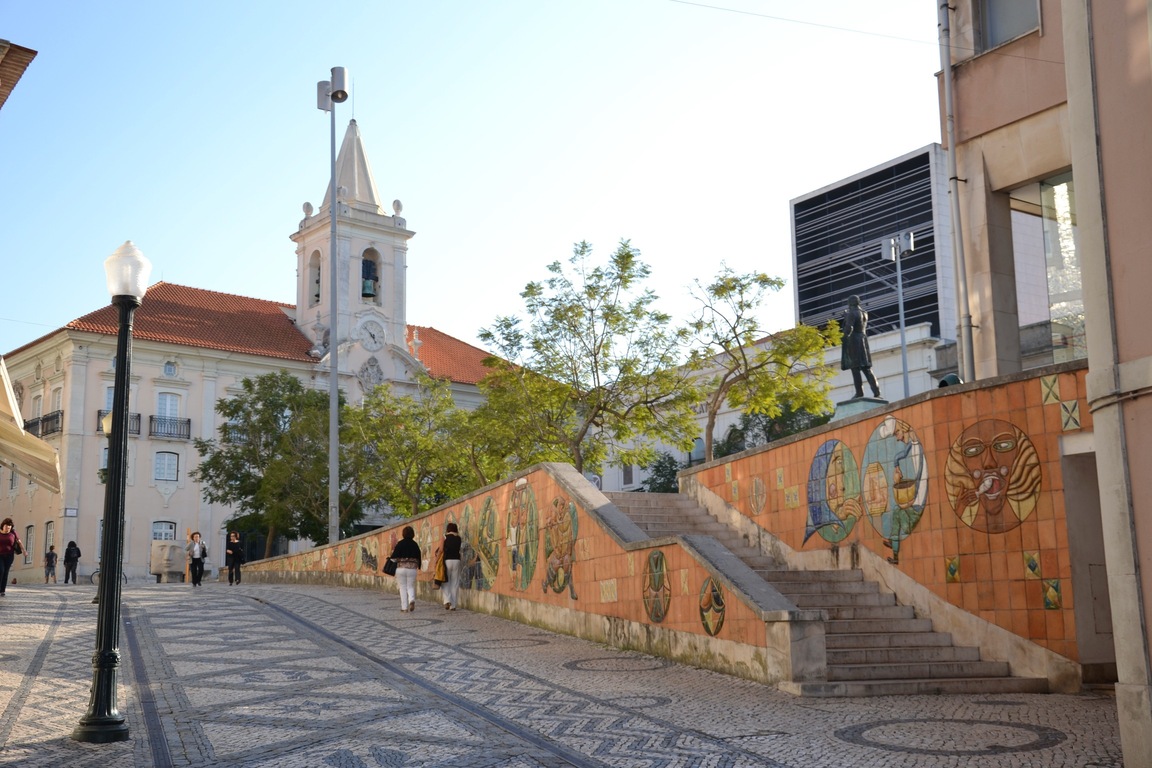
{"x":372,"y":335}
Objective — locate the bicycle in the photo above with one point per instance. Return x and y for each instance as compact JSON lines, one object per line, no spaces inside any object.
{"x":95,"y":577}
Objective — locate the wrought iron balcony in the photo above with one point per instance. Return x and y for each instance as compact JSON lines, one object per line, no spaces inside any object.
{"x":133,"y":423}
{"x":169,"y":428}
{"x":48,"y":424}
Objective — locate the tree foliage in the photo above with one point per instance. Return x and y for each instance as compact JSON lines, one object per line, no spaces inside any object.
{"x":414,"y":446}
{"x":270,"y":460}
{"x":594,"y":366}
{"x":741,"y":366}
{"x":662,"y":474}
{"x":758,"y":429}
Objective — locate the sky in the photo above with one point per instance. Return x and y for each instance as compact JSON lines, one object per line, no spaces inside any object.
{"x":509,"y":129}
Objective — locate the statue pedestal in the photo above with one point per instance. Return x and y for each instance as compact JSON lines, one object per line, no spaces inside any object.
{"x":848,"y":408}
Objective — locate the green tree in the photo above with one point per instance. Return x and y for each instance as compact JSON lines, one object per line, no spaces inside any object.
{"x":413,"y":446}
{"x":270,"y":460}
{"x":662,"y":474}
{"x":595,"y":366}
{"x":741,"y":366}
{"x":758,"y":429}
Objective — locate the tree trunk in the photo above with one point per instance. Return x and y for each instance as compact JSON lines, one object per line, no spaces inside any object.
{"x":268,"y":543}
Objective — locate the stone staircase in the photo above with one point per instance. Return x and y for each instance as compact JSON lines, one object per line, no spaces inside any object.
{"x":874,"y":646}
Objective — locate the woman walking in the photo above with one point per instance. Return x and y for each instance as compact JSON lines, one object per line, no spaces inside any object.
{"x":406,"y":553}
{"x":235,"y":557}
{"x":10,"y":546}
{"x":197,"y":551}
{"x":451,"y":550}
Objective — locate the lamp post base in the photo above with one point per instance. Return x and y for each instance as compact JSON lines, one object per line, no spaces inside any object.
{"x":101,"y":730}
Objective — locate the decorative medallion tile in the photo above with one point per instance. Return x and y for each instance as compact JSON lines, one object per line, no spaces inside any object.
{"x":735,"y":490}
{"x":952,"y":569}
{"x":1031,"y":565}
{"x":1070,"y":414}
{"x":779,"y":478}
{"x":1052,"y":594}
{"x":1050,"y":389}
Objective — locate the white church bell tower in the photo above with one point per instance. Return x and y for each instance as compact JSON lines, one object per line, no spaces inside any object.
{"x":369,"y":323}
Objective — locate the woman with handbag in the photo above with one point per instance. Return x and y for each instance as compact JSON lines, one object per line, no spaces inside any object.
{"x":406,"y":553}
{"x":450,"y":552}
{"x":10,"y":546}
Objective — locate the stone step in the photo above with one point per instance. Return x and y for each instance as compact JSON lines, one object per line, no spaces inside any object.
{"x":827,"y":587}
{"x":934,"y":686}
{"x":863,"y":626}
{"x":848,"y":640}
{"x":922,"y":670}
{"x":840,"y":599}
{"x":913,"y":654}
{"x":827,"y":575}
{"x":877,"y":613}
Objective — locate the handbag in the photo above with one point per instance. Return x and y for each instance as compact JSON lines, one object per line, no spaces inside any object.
{"x":389,"y":567}
{"x":440,"y":574}
{"x":18,"y":548}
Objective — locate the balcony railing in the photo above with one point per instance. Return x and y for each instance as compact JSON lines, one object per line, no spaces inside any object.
{"x":48,"y":424}
{"x":169,"y":428}
{"x":133,"y":423}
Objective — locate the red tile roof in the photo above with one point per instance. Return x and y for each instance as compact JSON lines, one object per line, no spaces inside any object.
{"x":447,"y":357}
{"x":193,"y":317}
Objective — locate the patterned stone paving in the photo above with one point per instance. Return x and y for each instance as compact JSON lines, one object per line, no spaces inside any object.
{"x":277,"y":676}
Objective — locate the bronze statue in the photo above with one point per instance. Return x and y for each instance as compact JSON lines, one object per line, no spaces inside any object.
{"x":854,"y":353}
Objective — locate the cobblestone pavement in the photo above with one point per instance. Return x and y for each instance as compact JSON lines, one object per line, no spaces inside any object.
{"x":277,"y":676}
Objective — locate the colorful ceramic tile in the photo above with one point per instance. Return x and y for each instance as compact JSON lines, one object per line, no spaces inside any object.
{"x":993,"y":476}
{"x":657,"y":589}
{"x":728,"y":472}
{"x":608,"y":591}
{"x":1070,"y":414}
{"x":779,"y":478}
{"x":952,"y":569}
{"x":1031,"y":565}
{"x":561,"y":531}
{"x":1050,"y":389}
{"x":792,"y":497}
{"x":712,"y":607}
{"x":1052,"y":594}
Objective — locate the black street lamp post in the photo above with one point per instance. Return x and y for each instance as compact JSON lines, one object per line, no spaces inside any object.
{"x":127,"y":271}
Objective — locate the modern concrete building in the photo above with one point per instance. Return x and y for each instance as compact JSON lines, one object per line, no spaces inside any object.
{"x":193,"y":347}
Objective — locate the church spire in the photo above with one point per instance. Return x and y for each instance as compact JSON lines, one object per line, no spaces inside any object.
{"x":354,"y":175}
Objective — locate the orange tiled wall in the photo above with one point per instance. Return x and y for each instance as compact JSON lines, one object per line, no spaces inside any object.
{"x":564,"y":557}
{"x":980,"y":516}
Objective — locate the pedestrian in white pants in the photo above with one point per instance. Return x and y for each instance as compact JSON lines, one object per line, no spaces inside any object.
{"x":406,"y":553}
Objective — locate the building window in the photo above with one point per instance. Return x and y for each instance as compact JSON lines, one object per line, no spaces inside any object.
{"x":58,"y":399}
{"x":170,"y":369}
{"x":168,"y":405}
{"x":1004,"y":20}
{"x":29,"y":543}
{"x":49,"y":535}
{"x":628,"y":475}
{"x":12,"y":481}
{"x":697,"y":454}
{"x":167,"y":466}
{"x":37,"y":407}
{"x":163,"y":530}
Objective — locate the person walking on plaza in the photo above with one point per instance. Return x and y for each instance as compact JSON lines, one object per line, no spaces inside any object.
{"x":197,"y":552}
{"x":235,"y":557}
{"x":451,"y":550}
{"x":406,"y":553}
{"x":71,"y":558}
{"x":10,"y":546}
{"x":50,"y":558}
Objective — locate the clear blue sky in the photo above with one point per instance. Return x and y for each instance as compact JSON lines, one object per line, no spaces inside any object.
{"x":510,"y":129}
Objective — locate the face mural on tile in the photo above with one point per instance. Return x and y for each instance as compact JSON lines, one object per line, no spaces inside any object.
{"x":657,"y":589}
{"x":560,"y":533}
{"x":834,"y":504}
{"x":895,"y":481}
{"x":993,"y":476}
{"x":522,"y":534}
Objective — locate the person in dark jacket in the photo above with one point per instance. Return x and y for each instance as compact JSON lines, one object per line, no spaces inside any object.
{"x":451,"y":550}
{"x":8,"y":542}
{"x":234,"y":553}
{"x":71,"y":559}
{"x":406,"y":553}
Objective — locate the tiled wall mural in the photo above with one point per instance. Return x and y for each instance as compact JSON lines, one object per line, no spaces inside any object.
{"x":963,"y":492}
